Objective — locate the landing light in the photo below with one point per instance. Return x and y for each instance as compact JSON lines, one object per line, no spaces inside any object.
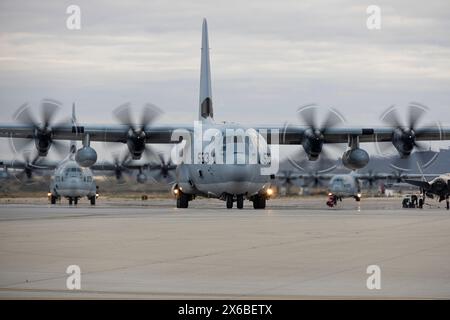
{"x":97,"y":195}
{"x":359,"y":195}
{"x":49,"y":194}
{"x":175,"y":191}
{"x":330,"y":194}
{"x":269,"y":192}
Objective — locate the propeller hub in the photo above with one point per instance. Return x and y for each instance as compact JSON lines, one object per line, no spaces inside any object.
{"x":313,"y":143}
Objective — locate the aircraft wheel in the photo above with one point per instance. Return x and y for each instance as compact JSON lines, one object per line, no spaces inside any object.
{"x":92,"y":200}
{"x":259,"y":202}
{"x":240,"y":201}
{"x":70,"y":201}
{"x":229,"y":201}
{"x":262,"y":203}
{"x":358,"y":199}
{"x":182,"y":200}
{"x":75,"y":201}
{"x":53,"y":199}
{"x":420,"y":203}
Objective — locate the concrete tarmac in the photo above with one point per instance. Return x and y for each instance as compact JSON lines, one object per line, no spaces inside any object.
{"x":295,"y":249}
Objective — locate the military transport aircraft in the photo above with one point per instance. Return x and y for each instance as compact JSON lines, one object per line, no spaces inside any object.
{"x":69,"y":180}
{"x":221,"y":160}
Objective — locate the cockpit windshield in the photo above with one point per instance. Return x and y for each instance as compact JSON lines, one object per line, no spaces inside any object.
{"x":72,"y":172}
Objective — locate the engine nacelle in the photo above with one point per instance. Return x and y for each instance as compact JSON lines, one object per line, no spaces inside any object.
{"x":141,"y":178}
{"x":355,"y":158}
{"x":43,"y":142}
{"x":136,"y":144}
{"x":312,"y":143}
{"x":86,"y":156}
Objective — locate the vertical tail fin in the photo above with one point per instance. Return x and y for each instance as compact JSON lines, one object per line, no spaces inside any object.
{"x":206,"y":108}
{"x":73,"y":143}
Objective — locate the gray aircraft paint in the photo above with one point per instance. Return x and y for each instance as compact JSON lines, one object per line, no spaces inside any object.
{"x":72,"y":181}
{"x":213,"y":179}
{"x":344,"y":185}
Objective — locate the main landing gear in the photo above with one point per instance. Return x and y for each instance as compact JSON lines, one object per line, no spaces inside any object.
{"x":53,"y":199}
{"x":259,"y":202}
{"x":183,"y":199}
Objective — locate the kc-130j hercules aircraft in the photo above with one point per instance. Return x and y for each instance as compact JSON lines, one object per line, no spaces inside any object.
{"x":222,"y":160}
{"x":69,"y":179}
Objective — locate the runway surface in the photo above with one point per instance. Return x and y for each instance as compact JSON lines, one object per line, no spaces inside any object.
{"x":296,"y":248}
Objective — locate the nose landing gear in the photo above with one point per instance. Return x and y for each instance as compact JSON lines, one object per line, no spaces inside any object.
{"x":229,"y":199}
{"x":73,"y":200}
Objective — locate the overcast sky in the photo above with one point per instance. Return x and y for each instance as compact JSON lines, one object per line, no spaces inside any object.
{"x":268,"y":57}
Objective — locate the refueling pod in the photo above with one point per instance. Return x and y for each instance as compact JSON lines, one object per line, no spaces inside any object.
{"x":86,"y":156}
{"x":355,"y":158}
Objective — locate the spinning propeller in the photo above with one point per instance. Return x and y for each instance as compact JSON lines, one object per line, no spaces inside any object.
{"x":314,"y":138}
{"x":137,"y":136}
{"x":404,"y":136}
{"x":42,"y":128}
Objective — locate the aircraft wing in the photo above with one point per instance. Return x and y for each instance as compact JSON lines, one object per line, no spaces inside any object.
{"x":163,"y":133}
{"x":107,"y":166}
{"x":294,"y":135}
{"x":37,"y":165}
{"x":104,"y":133}
{"x":387,"y":176}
